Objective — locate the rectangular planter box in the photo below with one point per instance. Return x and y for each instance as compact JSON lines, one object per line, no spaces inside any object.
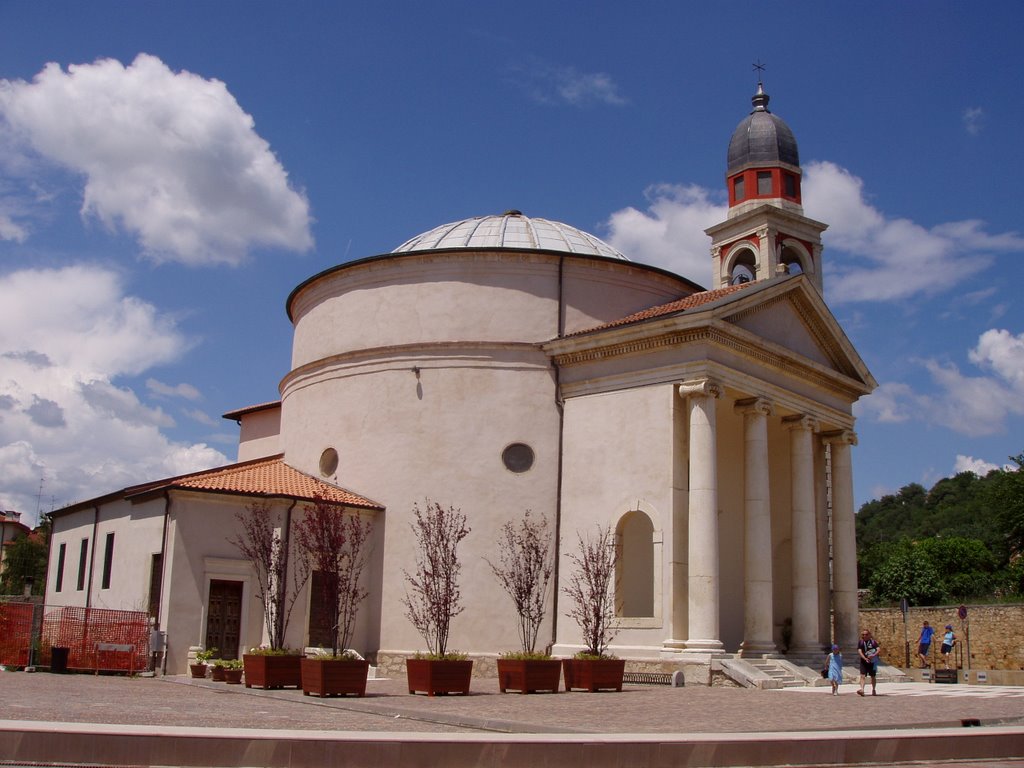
{"x":334,"y":677}
{"x":272,"y":671}
{"x":529,"y":675}
{"x":593,"y":674}
{"x":434,"y":676}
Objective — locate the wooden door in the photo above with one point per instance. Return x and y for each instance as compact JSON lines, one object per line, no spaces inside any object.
{"x":224,"y":617}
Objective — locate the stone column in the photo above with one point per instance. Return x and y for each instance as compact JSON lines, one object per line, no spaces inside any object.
{"x":702,"y":581}
{"x":844,"y":544}
{"x":757,"y":530}
{"x":804,"y":535}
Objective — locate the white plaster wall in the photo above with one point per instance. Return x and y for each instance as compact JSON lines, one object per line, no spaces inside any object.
{"x":402,"y":439}
{"x":137,"y":531}
{"x":468,"y":295}
{"x":260,"y":434}
{"x":619,"y":457}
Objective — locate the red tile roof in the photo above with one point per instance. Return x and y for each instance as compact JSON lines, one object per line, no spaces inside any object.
{"x":261,"y":477}
{"x":692,"y":301}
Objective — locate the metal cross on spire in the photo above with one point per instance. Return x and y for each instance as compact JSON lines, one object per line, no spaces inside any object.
{"x":759,"y":68}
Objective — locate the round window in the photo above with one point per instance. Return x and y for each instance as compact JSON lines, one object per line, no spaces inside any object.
{"x":328,"y":462}
{"x":518,"y":457}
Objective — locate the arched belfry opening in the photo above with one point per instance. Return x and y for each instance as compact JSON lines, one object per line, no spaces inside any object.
{"x":766,"y":233}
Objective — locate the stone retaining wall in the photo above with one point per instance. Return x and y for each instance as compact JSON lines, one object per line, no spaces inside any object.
{"x":995,"y":639}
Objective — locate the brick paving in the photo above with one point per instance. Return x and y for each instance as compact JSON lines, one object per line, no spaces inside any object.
{"x":179,"y":701}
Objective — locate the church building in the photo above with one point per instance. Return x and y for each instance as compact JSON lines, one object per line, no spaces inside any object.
{"x":507,"y":363}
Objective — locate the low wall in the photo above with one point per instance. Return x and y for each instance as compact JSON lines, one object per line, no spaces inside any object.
{"x":992,"y":637}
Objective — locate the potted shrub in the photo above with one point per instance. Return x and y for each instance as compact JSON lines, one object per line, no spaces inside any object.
{"x":198,"y":668}
{"x":271,"y":665}
{"x":333,"y":543}
{"x":232,"y":671}
{"x":217,"y":671}
{"x":524,"y":569}
{"x":432,"y":599}
{"x":593,"y":609}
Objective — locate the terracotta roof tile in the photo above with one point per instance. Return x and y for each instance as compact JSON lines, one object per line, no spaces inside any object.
{"x":692,"y":301}
{"x":265,"y":477}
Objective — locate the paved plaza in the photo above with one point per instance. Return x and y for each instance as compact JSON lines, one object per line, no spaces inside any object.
{"x":639,"y":715}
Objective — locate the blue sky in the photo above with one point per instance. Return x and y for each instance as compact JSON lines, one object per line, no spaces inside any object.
{"x":169,"y":171}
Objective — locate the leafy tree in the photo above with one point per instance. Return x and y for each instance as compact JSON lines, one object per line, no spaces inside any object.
{"x":25,"y":558}
{"x":1005,"y":493}
{"x":907,"y":572}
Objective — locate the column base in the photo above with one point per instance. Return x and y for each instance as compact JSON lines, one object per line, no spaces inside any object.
{"x":805,"y":649}
{"x":713,"y":647}
{"x":749,"y":648}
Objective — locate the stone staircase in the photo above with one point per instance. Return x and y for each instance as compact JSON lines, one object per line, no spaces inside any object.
{"x":770,"y":671}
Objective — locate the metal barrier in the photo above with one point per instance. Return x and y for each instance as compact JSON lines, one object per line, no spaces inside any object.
{"x":648,"y":678}
{"x":95,"y":638}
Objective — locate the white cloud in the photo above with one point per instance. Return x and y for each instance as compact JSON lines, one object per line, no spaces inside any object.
{"x":980,"y":467}
{"x":169,"y":157}
{"x":200,"y":416}
{"x":877,"y":258}
{"x":548,"y":84}
{"x":183,"y":390}
{"x":974,"y":120}
{"x":868,"y":255}
{"x":1002,"y":353}
{"x":973,"y":405}
{"x":66,"y":335}
{"x":670,"y":233}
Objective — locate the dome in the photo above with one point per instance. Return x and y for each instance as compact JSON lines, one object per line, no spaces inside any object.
{"x":510,"y":230}
{"x":762,"y":139}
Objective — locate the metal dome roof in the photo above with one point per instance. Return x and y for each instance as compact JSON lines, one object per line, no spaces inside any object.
{"x":761,"y":138}
{"x":510,"y":230}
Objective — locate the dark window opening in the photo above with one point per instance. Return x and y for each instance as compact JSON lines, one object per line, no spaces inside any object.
{"x":155,"y":580}
{"x":108,"y":561}
{"x":764,"y":182}
{"x":60,"y":567}
{"x":737,"y":188}
{"x":789,"y":182}
{"x":83,"y":554}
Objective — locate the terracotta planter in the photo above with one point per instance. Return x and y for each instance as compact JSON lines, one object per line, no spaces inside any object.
{"x":334,"y":677}
{"x":232,"y":676}
{"x":593,"y":674}
{"x":272,"y":671}
{"x":217,"y":673}
{"x":529,"y":675}
{"x":197,"y":670}
{"x":434,"y":676}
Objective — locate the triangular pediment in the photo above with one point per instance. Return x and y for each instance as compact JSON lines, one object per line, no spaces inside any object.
{"x":790,"y":314}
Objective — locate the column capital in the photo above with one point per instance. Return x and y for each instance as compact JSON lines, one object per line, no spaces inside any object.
{"x":800,"y":421}
{"x":754,"y":405}
{"x":839,"y":437}
{"x":701,"y":388}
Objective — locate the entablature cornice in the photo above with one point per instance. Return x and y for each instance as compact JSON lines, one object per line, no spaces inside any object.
{"x":721,"y":334}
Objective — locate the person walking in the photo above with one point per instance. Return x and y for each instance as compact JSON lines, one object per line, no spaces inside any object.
{"x":924,"y":642}
{"x":867,"y":651}
{"x":948,"y":641}
{"x":834,"y":663}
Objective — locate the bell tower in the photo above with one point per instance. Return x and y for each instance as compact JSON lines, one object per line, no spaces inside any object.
{"x":765,"y":233}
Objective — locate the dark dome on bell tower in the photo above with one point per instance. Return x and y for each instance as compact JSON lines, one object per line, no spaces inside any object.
{"x":762,"y":139}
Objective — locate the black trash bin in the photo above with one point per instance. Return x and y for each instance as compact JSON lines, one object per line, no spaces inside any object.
{"x":58,"y":660}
